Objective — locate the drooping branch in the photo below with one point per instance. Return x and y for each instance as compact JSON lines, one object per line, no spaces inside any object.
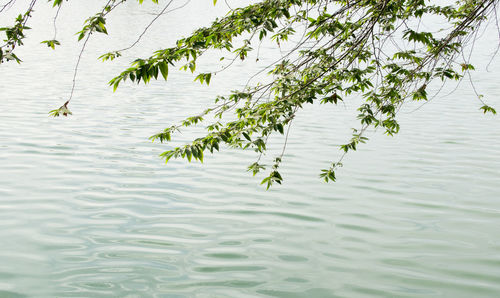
{"x":15,"y":34}
{"x":347,"y":62}
{"x":335,"y":49}
{"x":93,"y":24}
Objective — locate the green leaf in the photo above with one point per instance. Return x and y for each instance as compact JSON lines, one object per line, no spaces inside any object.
{"x":51,"y":43}
{"x":163,"y":69}
{"x":54,"y":113}
{"x":487,"y":108}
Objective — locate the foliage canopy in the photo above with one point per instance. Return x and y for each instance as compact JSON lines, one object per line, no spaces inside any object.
{"x":371,"y":48}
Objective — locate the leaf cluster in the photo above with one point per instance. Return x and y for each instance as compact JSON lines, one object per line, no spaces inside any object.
{"x":344,"y":51}
{"x":338,"y":50}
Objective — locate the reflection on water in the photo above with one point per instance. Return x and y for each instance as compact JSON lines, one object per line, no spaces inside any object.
{"x":89,"y":210}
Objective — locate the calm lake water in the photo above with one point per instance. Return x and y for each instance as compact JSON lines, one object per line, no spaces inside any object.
{"x":88,"y":209}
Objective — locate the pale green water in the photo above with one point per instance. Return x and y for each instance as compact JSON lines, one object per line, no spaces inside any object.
{"x":87,"y":209}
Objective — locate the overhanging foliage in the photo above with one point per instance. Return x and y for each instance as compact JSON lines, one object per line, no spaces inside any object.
{"x":372,"y":48}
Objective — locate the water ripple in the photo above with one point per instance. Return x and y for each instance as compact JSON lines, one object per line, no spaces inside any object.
{"x":89,"y":210}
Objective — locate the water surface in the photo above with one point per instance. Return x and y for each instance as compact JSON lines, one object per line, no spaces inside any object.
{"x":89,"y":210}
